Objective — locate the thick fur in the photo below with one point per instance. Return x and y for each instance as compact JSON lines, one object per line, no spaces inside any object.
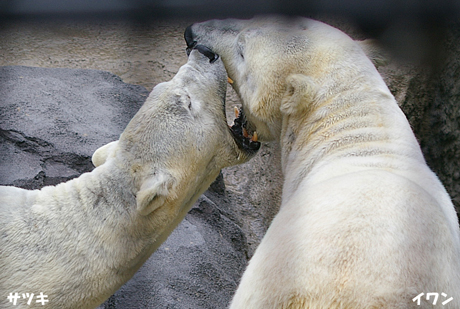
{"x":364,"y":223}
{"x":79,"y":241}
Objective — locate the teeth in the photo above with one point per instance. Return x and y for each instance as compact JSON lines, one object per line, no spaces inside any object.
{"x":237,"y":112}
{"x":230,"y":81}
{"x":254,"y":137}
{"x":245,"y":133}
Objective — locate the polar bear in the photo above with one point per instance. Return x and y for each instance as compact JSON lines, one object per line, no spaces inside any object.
{"x":363,"y":223}
{"x":79,"y":241}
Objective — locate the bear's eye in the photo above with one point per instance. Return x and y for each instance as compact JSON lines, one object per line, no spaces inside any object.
{"x":240,"y":51}
{"x":188,"y":102}
{"x":184,"y":100}
{"x":240,"y":47}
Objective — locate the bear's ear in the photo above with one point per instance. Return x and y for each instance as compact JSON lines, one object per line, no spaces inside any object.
{"x":300,"y":92}
{"x":101,"y":154}
{"x":374,"y":52}
{"x":153,"y":192}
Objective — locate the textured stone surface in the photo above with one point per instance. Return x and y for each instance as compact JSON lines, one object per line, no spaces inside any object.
{"x":430,"y":98}
{"x":53,"y":121}
{"x":433,"y":106}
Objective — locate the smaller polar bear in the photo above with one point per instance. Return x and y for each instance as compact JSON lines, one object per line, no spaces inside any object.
{"x":79,"y":241}
{"x":363,"y":223}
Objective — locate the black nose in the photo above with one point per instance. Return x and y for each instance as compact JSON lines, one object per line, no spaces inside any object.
{"x":192,"y":44}
{"x":188,"y":36}
{"x":207,"y":52}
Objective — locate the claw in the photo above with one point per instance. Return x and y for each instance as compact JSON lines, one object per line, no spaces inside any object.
{"x":245,"y":132}
{"x":230,"y":81}
{"x":241,"y":135}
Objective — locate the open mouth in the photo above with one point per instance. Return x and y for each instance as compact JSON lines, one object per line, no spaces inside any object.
{"x":245,"y":140}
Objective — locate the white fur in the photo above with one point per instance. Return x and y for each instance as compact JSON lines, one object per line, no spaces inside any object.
{"x":79,"y":241}
{"x":364,"y":223}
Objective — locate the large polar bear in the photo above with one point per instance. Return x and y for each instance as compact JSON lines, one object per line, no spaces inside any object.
{"x":364,"y":223}
{"x":79,"y":241}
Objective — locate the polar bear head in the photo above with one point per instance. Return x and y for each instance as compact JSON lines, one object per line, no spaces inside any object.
{"x":179,"y":140}
{"x":277,"y":63}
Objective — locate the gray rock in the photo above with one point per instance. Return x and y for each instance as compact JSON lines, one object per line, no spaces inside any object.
{"x":438,"y":127}
{"x":52,"y":120}
{"x":430,"y":98}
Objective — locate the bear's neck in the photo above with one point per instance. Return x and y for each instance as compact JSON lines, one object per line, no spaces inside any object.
{"x":96,"y":214}
{"x":350,"y":128}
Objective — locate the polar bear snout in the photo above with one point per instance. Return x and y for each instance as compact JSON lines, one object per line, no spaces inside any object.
{"x":192,"y":44}
{"x":207,"y":52}
{"x":188,"y":36}
{"x":245,"y":139}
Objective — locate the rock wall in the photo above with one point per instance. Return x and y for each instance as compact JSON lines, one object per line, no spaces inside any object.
{"x":432,"y":104}
{"x":51,"y":121}
{"x":429,"y":95}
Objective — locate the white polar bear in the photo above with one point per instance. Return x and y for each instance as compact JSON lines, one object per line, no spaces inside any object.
{"x":79,"y":241}
{"x":364,"y":223}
